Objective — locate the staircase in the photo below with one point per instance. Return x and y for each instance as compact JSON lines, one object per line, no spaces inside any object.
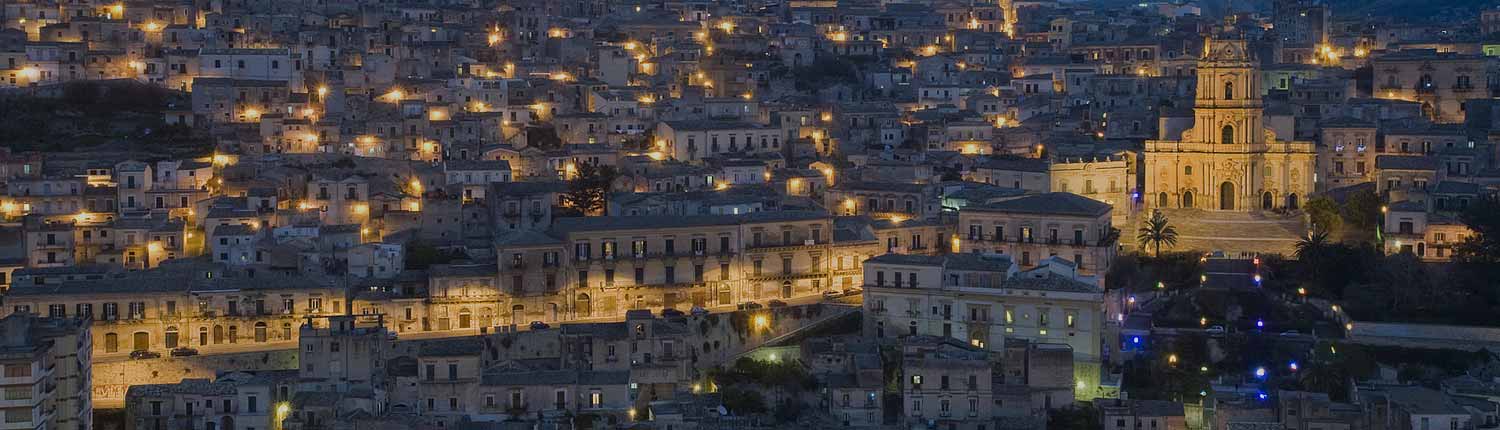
{"x":1231,"y":232}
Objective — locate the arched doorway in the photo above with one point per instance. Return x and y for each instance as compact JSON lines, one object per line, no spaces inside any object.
{"x":1291,"y":201}
{"x":202,"y":336}
{"x":1187,"y":199}
{"x":582,"y":306}
{"x":140,"y":341}
{"x":218,"y":334}
{"x":170,"y":337}
{"x":1226,"y":196}
{"x":786,"y":289}
{"x":226,"y":423}
{"x":260,"y":332}
{"x":234,"y":333}
{"x":516,"y":313}
{"x":465,"y":318}
{"x":111,"y":342}
{"x":1265,"y":200}
{"x":1161,"y":200}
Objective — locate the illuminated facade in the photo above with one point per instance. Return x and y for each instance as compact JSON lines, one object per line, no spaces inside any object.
{"x":1229,"y":160}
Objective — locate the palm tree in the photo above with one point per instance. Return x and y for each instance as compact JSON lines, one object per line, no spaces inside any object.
{"x":1156,"y":232}
{"x":1310,"y":249}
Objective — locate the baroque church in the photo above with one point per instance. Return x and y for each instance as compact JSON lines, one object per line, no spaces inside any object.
{"x":1228,"y":160}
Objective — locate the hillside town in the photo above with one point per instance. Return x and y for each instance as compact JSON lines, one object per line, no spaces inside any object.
{"x":758,"y":214}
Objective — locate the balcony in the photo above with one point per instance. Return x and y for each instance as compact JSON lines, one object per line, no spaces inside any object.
{"x":767,"y":247}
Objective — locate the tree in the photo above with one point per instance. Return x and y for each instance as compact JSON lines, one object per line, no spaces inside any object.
{"x":1362,"y":209}
{"x":1074,"y":417}
{"x":743,"y":402}
{"x":1483,"y":217}
{"x":1311,"y":249}
{"x":1325,"y":214}
{"x":588,"y":191}
{"x":1156,"y":232}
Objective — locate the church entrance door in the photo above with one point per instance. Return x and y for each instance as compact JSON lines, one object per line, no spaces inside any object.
{"x":1226,"y":196}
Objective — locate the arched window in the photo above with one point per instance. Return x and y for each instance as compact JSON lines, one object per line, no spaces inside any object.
{"x":1187,"y":170}
{"x":1227,"y":134}
{"x":1228,"y":90}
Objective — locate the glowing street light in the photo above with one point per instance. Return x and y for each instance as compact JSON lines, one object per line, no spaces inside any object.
{"x":1260,"y":372}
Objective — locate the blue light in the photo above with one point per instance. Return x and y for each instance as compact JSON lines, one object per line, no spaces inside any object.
{"x":1260,"y":324}
{"x":1262,"y":395}
{"x":1260,"y":372}
{"x":1292,"y":365}
{"x":1135,"y":339}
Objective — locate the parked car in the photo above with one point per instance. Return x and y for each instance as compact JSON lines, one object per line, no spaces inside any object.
{"x":1217,"y":330}
{"x":698,"y":311}
{"x":144,"y":355}
{"x":832,"y":295}
{"x":776,"y":304}
{"x":672,"y":313}
{"x":538,"y":325}
{"x":183,"y":351}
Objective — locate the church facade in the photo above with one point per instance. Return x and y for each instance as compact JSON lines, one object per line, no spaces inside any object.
{"x":1228,"y":160}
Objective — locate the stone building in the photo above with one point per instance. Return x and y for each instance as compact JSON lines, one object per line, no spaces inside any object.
{"x":1228,"y":160}
{"x":48,"y":365}
{"x":984,"y":300}
{"x":1440,"y":81}
{"x":188,"y":304}
{"x":1034,"y":227}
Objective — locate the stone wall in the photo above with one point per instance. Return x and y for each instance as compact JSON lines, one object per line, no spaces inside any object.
{"x":112,"y":379}
{"x":1425,"y":335}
